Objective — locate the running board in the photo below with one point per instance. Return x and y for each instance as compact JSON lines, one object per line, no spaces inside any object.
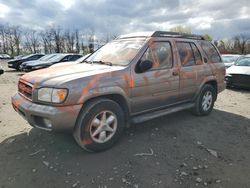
{"x":159,"y":113}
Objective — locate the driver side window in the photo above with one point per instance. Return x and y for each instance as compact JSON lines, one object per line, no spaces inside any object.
{"x":160,"y":54}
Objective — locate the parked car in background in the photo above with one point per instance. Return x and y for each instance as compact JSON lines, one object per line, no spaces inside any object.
{"x":59,"y":58}
{"x":238,"y":75}
{"x":5,"y":56}
{"x":19,"y":56}
{"x":70,"y":62}
{"x":42,"y":59}
{"x":133,"y":78}
{"x":15,"y":63}
{"x":1,"y":70}
{"x":230,"y":59}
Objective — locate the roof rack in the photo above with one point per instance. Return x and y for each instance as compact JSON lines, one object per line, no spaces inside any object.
{"x":177,"y":34}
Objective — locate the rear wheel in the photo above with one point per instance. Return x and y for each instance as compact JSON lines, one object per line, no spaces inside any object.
{"x":99,"y":125}
{"x":205,"y":101}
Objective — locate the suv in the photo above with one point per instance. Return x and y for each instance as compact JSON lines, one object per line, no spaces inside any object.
{"x":134,"y":78}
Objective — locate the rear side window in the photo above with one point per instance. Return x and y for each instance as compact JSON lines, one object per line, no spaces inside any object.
{"x":66,"y":58}
{"x":211,"y":52}
{"x":74,"y":57}
{"x":185,"y":53}
{"x":160,"y":53}
{"x":35,"y":57}
{"x":197,"y":55}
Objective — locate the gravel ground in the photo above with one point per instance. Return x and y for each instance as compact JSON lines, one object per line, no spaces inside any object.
{"x":178,"y":150}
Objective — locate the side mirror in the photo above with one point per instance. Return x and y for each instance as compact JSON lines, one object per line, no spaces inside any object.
{"x":1,"y":71}
{"x":145,"y":65}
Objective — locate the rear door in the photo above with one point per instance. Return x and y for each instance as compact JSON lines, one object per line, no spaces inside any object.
{"x":191,"y":69}
{"x":214,"y":61}
{"x":159,"y":86}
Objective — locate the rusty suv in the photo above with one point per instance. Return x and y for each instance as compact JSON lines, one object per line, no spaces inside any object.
{"x":134,"y":78}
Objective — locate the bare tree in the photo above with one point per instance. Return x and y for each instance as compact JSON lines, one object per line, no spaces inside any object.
{"x":17,"y":31}
{"x":56,"y":35}
{"x":10,"y":40}
{"x":47,"y":41}
{"x":4,"y":44}
{"x":32,"y":42}
{"x":77,"y":41}
{"x":241,"y":43}
{"x":69,"y":38}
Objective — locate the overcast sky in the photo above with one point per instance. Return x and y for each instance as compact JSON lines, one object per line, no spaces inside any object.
{"x":219,"y":18}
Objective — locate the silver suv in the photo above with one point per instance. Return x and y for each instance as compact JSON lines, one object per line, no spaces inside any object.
{"x":134,"y":78}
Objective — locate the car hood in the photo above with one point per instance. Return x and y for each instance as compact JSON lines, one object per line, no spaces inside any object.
{"x":13,"y":61}
{"x":59,"y":75}
{"x":238,"y":70}
{"x":35,"y":63}
{"x":229,"y":63}
{"x":30,"y":62}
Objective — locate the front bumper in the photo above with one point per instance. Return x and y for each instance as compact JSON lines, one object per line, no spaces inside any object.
{"x":38,"y":115}
{"x":238,"y":80}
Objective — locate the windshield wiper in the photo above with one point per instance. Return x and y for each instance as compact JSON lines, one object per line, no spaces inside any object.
{"x":103,"y":62}
{"x":85,"y":61}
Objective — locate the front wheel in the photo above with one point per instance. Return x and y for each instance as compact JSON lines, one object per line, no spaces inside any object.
{"x":205,"y":101}
{"x":99,"y":125}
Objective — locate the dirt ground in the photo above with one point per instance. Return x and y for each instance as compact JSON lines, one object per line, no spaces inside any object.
{"x":177,"y":150}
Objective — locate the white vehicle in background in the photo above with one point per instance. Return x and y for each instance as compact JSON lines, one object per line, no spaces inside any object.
{"x":70,"y":62}
{"x":230,"y":59}
{"x":238,"y":75}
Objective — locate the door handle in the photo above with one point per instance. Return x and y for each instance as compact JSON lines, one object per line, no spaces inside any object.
{"x":175,"y":73}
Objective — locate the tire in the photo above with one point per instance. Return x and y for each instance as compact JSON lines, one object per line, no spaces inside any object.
{"x":93,"y":132}
{"x":201,"y":107}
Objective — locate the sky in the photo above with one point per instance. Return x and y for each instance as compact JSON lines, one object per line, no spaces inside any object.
{"x":219,"y":18}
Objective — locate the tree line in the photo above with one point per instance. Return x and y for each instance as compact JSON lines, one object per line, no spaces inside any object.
{"x":16,"y":40}
{"x":239,"y":44}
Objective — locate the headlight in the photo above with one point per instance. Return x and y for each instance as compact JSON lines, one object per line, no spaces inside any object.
{"x":52,"y":95}
{"x":228,"y":75}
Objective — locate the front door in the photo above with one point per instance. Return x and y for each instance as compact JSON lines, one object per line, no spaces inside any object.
{"x":159,"y":86}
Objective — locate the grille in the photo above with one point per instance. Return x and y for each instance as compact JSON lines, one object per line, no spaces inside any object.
{"x":25,"y":89}
{"x":240,"y":78}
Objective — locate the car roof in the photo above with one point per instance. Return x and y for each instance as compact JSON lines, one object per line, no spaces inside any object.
{"x":162,"y":34}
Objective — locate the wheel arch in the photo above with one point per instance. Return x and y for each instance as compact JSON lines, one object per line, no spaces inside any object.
{"x":116,"y":97}
{"x":210,"y":81}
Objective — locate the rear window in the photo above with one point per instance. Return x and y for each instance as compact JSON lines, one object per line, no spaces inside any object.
{"x":211,"y":52}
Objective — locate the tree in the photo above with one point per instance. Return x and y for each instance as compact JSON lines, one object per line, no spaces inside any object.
{"x":181,"y":29}
{"x":77,"y":41}
{"x":32,"y":42}
{"x":4,"y":45}
{"x":241,"y":43}
{"x":208,"y":37}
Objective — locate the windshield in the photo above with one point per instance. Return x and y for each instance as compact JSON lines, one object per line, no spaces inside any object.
{"x":26,"y":56}
{"x":57,"y":57}
{"x":117,"y":52}
{"x":243,"y":62}
{"x":47,"y":57}
{"x":229,"y":59}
